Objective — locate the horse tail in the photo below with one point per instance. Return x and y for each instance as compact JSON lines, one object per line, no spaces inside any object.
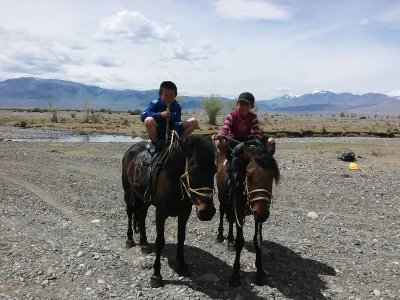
{"x":136,"y":208}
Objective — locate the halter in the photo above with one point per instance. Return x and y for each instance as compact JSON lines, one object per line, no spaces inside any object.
{"x":267,"y":198}
{"x":189,"y":190}
{"x":250,"y":200}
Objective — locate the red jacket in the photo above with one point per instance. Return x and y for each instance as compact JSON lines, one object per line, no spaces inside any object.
{"x":237,"y":125}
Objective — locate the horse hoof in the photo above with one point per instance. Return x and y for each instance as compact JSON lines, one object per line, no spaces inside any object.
{"x":129,"y":244}
{"x":184,"y":271}
{"x":231,"y":246}
{"x":220,"y":239}
{"x":146,"y":249}
{"x":261,"y":278}
{"x":235,"y":281}
{"x":156,"y":281}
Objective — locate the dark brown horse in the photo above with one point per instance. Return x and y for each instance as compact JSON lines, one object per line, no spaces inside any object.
{"x":254,"y":171}
{"x":186,"y":177}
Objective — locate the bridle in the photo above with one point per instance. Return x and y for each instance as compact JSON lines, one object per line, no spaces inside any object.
{"x":199,"y":191}
{"x":250,"y":200}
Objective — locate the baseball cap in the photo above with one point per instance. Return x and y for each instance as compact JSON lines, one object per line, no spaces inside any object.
{"x":246,"y":97}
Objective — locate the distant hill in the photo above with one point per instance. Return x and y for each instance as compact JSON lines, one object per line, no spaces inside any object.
{"x":29,"y":92}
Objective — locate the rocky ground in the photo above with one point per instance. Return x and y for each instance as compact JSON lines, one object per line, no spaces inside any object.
{"x":63,"y":227}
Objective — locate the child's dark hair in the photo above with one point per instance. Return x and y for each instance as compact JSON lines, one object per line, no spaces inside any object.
{"x":169,"y":85}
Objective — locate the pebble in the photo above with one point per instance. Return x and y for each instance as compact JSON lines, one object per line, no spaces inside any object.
{"x":312,"y":215}
{"x":376,"y":293}
{"x":79,"y":254}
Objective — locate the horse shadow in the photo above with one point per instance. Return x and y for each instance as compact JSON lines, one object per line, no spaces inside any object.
{"x":289,"y":273}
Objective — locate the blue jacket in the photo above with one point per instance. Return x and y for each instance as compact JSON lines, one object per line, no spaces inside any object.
{"x":154,"y":109}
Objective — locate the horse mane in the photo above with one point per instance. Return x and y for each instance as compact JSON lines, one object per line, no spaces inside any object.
{"x":203,"y":154}
{"x":262,"y":157}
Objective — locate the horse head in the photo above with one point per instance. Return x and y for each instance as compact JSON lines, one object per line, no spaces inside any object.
{"x":259,"y":169}
{"x":198,"y":179}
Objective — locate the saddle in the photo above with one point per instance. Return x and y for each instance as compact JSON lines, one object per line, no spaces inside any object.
{"x":147,"y":166}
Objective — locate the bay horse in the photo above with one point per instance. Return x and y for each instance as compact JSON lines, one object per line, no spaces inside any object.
{"x":186,"y":177}
{"x":254,"y":171}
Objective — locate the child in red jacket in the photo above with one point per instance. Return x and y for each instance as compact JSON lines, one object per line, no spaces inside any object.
{"x":242,"y":125}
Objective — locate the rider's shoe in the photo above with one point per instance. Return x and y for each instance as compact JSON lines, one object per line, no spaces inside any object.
{"x":151,"y":147}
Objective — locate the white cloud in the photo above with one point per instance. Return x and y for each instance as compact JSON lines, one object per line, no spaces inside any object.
{"x":25,"y":53}
{"x":107,"y":61}
{"x":363,"y":21}
{"x":181,"y":51}
{"x":111,"y":81}
{"x":134,"y":27}
{"x":392,"y":93}
{"x":390,"y":16}
{"x":251,"y":10}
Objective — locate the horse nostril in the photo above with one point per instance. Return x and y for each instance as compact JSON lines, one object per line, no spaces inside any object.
{"x":260,"y":217}
{"x":206,"y":214}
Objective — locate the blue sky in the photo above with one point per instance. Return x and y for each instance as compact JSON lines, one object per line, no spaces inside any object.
{"x":222,"y":46}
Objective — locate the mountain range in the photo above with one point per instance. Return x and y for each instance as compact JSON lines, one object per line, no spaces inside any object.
{"x":29,"y":92}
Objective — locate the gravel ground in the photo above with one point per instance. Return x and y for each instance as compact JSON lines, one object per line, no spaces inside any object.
{"x":63,"y":228}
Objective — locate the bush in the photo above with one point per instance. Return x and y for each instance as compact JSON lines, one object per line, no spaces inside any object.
{"x":23,"y":124}
{"x":73,"y":115}
{"x":212,"y":107}
{"x":342,"y":114}
{"x":136,"y":112}
{"x":95,"y":118}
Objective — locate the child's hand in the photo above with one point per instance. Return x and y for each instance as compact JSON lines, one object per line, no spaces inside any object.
{"x":217,"y":137}
{"x":165,"y":114}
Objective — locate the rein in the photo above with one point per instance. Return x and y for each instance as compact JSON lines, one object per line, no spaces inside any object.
{"x":189,"y":190}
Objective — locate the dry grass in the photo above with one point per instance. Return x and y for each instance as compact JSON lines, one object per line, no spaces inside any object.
{"x":278,"y":124}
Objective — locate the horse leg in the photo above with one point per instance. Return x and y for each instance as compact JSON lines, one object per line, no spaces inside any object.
{"x":230,"y":216}
{"x":220,"y":236}
{"x":156,"y":279}
{"x":183,"y":269}
{"x":129,"y":211}
{"x":234,"y":280}
{"x":261,"y":277}
{"x":142,"y":227}
{"x":231,"y":241}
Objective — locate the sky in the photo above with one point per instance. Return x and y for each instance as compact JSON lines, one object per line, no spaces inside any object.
{"x":267,"y":47}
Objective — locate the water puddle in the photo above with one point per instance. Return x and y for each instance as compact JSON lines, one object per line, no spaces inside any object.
{"x":84,"y":139}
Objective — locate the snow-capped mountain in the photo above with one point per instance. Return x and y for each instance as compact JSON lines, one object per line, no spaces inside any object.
{"x":319,"y":91}
{"x":320,"y":100}
{"x":34,"y":92}
{"x":286,"y":96}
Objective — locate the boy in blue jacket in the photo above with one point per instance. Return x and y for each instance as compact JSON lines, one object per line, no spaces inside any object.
{"x":155,"y":115}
